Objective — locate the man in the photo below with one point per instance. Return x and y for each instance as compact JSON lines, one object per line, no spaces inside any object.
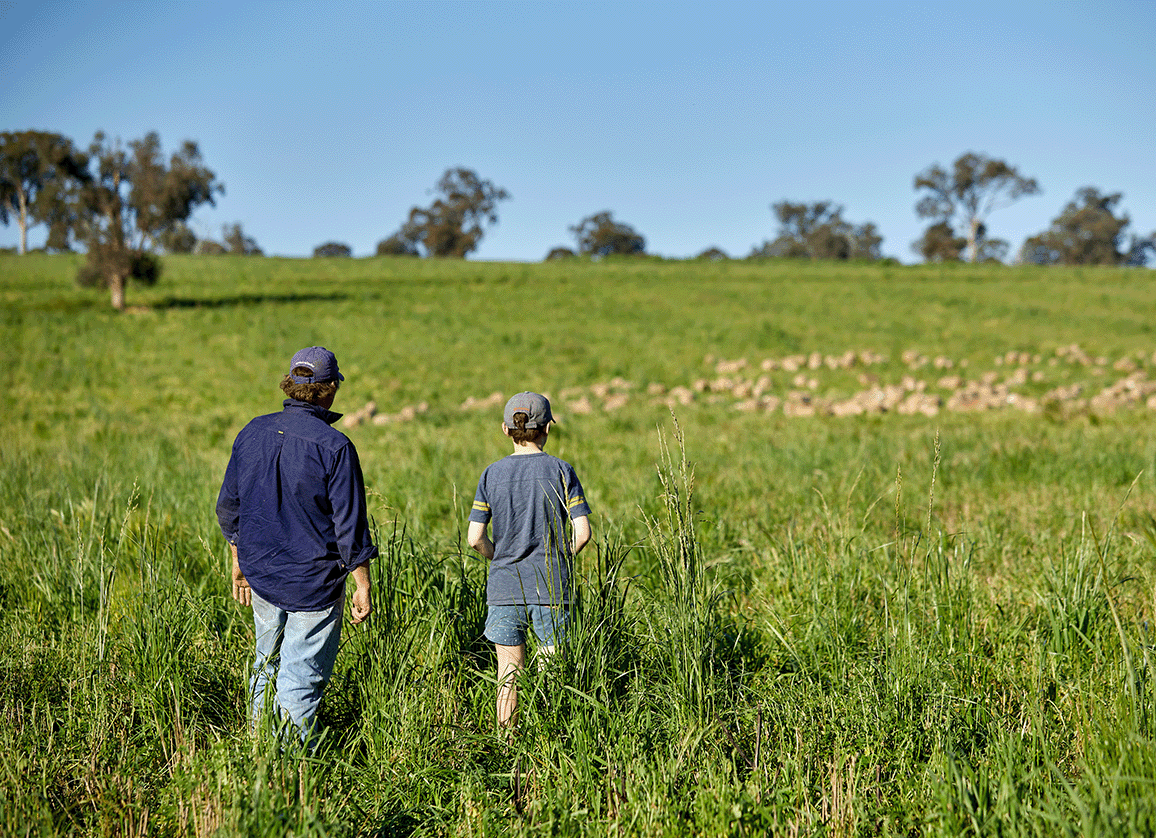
{"x":292,"y":506}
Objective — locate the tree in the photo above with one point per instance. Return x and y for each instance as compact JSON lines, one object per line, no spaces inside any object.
{"x":713,"y":254}
{"x":1087,"y":232}
{"x":819,"y":231}
{"x":940,"y":244}
{"x":989,"y":249}
{"x":1141,"y":250}
{"x":39,"y":175}
{"x":557,"y":254}
{"x":600,"y":235}
{"x":179,"y":239}
{"x":963,"y":198}
{"x":233,"y":240}
{"x":208,"y":247}
{"x":453,"y":225}
{"x":405,"y":242}
{"x":237,"y":242}
{"x":332,"y":249}
{"x":132,"y":202}
{"x":63,"y":220}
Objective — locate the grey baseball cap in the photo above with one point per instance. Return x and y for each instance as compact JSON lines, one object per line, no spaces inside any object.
{"x":320,"y":360}
{"x":534,"y":405}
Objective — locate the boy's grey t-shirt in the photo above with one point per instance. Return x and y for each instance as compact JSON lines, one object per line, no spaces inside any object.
{"x":529,"y":500}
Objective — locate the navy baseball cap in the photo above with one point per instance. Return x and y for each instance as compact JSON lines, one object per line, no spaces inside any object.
{"x":534,"y":405}
{"x":320,"y":360}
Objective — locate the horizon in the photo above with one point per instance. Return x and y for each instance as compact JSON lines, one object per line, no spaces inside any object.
{"x":328,"y":122}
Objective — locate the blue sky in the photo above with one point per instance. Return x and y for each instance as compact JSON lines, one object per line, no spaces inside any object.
{"x":329,"y":121}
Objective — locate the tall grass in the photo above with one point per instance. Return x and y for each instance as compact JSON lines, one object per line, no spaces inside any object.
{"x":863,"y":626}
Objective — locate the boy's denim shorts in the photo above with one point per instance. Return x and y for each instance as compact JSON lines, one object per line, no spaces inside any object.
{"x":506,"y":624}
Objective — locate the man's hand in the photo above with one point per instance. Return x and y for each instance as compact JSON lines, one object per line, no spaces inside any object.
{"x":241,"y":591}
{"x":361,"y":607}
{"x":361,"y":604}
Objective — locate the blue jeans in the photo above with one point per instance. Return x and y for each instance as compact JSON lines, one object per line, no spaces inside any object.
{"x":296,"y":651}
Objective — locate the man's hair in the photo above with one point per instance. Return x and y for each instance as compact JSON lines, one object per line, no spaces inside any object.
{"x":314,"y":393}
{"x":521,"y":434}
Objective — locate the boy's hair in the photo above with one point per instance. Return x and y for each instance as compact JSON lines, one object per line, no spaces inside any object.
{"x":520,"y":434}
{"x":314,"y":392}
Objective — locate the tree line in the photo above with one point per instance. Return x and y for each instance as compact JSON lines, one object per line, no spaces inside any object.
{"x":125,"y":204}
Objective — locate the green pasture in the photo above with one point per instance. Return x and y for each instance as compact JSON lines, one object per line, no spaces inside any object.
{"x":883,"y":624}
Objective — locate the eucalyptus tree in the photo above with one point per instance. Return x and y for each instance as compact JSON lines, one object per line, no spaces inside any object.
{"x":132,"y":203}
{"x":939,"y":243}
{"x":235,"y":241}
{"x":405,"y":242}
{"x":39,"y":174}
{"x":963,"y":198}
{"x":454,"y":224}
{"x":1088,"y":232}
{"x":819,"y":231}
{"x":332,"y":250}
{"x":557,"y":254}
{"x":601,"y":235}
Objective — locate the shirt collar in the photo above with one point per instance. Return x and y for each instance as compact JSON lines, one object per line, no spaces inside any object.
{"x":327,"y":416}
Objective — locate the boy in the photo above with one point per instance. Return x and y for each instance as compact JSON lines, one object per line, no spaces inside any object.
{"x":531,"y":497}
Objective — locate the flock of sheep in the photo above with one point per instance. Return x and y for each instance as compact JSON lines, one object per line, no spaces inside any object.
{"x":791,"y":385}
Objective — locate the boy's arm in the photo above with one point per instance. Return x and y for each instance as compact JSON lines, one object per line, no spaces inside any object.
{"x":580,"y":527}
{"x":477,"y":539}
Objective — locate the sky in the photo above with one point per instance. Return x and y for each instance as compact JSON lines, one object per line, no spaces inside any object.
{"x":329,"y":121}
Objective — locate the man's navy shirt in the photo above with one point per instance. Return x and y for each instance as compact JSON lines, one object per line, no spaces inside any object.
{"x":293,"y":501}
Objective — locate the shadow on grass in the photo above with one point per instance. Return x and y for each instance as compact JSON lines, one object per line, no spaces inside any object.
{"x":68,"y":305}
{"x":245,"y":300}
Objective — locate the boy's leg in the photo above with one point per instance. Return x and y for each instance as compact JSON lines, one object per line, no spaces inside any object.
{"x":511,"y":660}
{"x":269,"y":624}
{"x":308,"y":654}
{"x":506,"y":629}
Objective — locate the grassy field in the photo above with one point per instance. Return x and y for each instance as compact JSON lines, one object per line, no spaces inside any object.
{"x":929,"y":619}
